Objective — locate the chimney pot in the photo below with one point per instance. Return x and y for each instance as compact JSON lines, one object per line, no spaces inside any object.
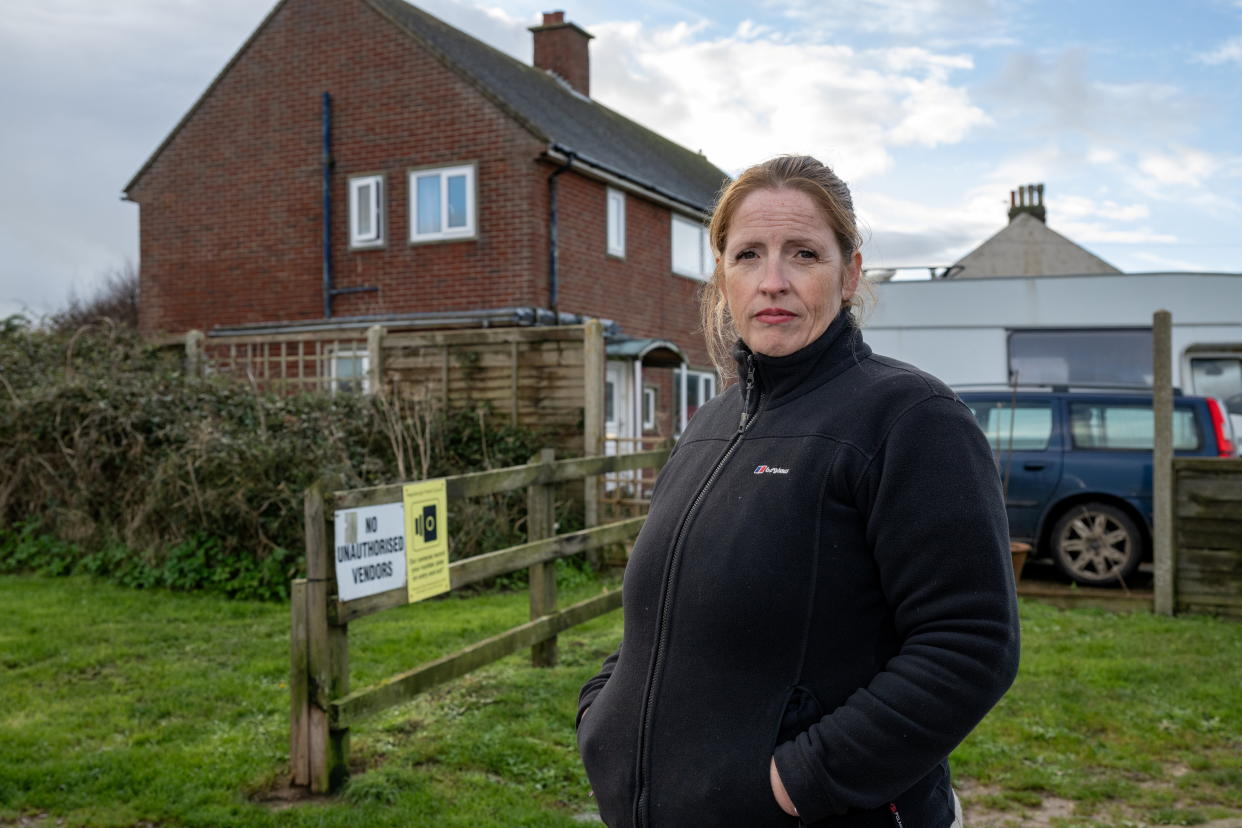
{"x":1028,"y":198}
{"x":563,"y":49}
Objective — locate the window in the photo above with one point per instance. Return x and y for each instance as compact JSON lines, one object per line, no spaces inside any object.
{"x":610,"y":404}
{"x":1024,"y":427}
{"x":1099,"y":357}
{"x":692,"y":253}
{"x":616,"y":222}
{"x":1120,"y":426}
{"x":442,"y":203}
{"x":649,"y":407}
{"x":366,"y":211}
{"x":349,"y":371}
{"x":700,"y":387}
{"x":1218,"y":376}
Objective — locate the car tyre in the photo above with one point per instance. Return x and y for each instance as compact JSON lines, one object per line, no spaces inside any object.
{"x":1097,"y":544}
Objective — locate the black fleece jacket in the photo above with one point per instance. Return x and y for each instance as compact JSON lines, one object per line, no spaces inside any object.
{"x":825,"y":579}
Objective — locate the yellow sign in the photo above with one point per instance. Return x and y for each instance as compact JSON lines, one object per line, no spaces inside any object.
{"x":426,"y":539}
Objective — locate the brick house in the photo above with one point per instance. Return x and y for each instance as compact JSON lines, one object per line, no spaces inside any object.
{"x":360,"y":161}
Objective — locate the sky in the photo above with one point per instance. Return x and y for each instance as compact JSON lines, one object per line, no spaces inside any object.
{"x":1129,"y":112}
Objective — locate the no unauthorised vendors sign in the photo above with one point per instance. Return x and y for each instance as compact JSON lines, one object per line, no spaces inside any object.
{"x":370,"y":550}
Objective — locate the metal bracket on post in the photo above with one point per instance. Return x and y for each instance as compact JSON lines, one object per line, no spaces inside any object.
{"x":541,"y":523}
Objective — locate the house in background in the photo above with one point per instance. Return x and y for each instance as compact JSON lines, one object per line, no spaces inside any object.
{"x":1031,"y":307}
{"x":1027,"y":246}
{"x":361,"y":162}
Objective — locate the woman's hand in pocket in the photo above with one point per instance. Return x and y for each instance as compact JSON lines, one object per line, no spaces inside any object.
{"x":778,"y":789}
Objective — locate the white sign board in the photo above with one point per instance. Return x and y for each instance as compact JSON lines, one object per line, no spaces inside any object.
{"x":370,"y":550}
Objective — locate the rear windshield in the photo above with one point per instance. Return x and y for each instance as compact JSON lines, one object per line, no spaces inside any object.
{"x":1024,"y":427}
{"x":1108,"y":425}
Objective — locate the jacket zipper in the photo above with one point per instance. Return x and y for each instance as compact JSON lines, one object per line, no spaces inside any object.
{"x":744,"y":425}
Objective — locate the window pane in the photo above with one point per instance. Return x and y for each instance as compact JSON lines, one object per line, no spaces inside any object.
{"x":610,"y":401}
{"x":1121,"y":357}
{"x":709,"y":263}
{"x":1218,"y":377}
{"x":1030,"y":425}
{"x":687,"y":247}
{"x":428,"y":204}
{"x":1115,"y":426}
{"x":362,"y":207}
{"x":457,"y":201}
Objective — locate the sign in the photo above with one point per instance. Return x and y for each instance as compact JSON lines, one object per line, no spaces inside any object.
{"x":426,"y":530}
{"x":370,"y":550}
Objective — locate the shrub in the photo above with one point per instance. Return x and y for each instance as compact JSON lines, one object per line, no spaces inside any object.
{"x":117,"y":463}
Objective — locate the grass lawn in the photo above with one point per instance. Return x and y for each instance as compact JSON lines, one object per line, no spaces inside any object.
{"x":125,"y":708}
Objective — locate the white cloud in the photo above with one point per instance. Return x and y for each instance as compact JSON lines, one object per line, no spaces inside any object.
{"x":980,"y":22}
{"x":1185,"y":166}
{"x":752,"y":94}
{"x":1167,"y":263}
{"x":1228,"y":52}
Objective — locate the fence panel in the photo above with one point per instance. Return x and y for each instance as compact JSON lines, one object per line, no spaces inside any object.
{"x":1207,"y":520}
{"x":322,"y":706}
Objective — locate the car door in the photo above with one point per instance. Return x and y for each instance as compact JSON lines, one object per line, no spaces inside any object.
{"x":1026,"y":441}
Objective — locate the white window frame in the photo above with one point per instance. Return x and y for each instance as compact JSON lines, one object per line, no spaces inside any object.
{"x":615,"y":215}
{"x":649,"y":407}
{"x":464,"y":232}
{"x":357,"y":209}
{"x":363,"y":379}
{"x":706,"y":260}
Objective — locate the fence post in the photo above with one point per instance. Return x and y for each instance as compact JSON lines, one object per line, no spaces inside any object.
{"x":540,"y":523}
{"x":327,"y":652}
{"x":194,"y":353}
{"x":593,"y":368}
{"x":1163,"y":553}
{"x":299,"y":687}
{"x":375,"y":359}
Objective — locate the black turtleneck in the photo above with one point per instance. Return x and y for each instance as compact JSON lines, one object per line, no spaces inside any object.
{"x":825,"y":580}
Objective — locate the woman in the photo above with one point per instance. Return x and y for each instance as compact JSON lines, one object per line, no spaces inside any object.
{"x":820,"y":605}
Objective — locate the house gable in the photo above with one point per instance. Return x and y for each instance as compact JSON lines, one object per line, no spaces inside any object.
{"x":232,"y":203}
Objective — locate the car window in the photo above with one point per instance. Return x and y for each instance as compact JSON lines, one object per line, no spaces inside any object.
{"x":1029,"y":424}
{"x":1219,"y":377}
{"x":1108,"y":425}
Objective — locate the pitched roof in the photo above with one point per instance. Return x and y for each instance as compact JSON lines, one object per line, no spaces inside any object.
{"x":1028,"y":247}
{"x":547,"y":107}
{"x":566,"y":119}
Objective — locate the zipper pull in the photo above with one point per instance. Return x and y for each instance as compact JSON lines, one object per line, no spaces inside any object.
{"x":750,"y":384}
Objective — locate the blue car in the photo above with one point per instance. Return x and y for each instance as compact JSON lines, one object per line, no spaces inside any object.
{"x":1076,"y":467}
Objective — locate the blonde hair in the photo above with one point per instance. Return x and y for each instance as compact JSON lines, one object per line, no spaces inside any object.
{"x":795,"y":172}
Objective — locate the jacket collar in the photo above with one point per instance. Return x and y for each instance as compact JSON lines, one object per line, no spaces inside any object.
{"x":781,"y":379}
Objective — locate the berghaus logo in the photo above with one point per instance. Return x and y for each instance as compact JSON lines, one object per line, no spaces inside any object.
{"x":770,"y":470}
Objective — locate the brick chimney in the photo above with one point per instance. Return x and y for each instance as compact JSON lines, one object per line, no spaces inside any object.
{"x":1028,"y":199}
{"x":563,"y":49}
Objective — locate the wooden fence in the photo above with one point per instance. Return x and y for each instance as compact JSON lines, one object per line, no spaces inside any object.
{"x":1207,"y":528}
{"x":549,"y":377}
{"x":323,"y":708}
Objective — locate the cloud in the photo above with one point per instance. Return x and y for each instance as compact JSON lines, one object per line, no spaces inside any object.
{"x":1057,"y":96}
{"x":752,"y":94}
{"x":1184,"y":166}
{"x":979,"y":22}
{"x":1228,"y":52}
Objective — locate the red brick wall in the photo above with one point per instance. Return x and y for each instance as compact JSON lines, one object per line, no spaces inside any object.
{"x":563,"y":48}
{"x":641,"y":292}
{"x":231,"y":210}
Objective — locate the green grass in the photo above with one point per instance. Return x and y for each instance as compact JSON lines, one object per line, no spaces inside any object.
{"x":121,"y":707}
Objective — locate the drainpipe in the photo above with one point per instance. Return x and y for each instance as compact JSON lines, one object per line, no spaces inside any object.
{"x":552,"y":243}
{"x":325,"y":119}
{"x":329,"y":288}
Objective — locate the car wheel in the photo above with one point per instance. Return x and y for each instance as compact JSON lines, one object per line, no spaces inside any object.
{"x":1096,"y":544}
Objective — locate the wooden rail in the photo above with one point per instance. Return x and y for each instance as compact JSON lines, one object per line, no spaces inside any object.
{"x":322,"y":707}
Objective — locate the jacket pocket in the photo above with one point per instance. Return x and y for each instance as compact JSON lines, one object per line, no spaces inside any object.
{"x":606,"y":748}
{"x":801,"y":711}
